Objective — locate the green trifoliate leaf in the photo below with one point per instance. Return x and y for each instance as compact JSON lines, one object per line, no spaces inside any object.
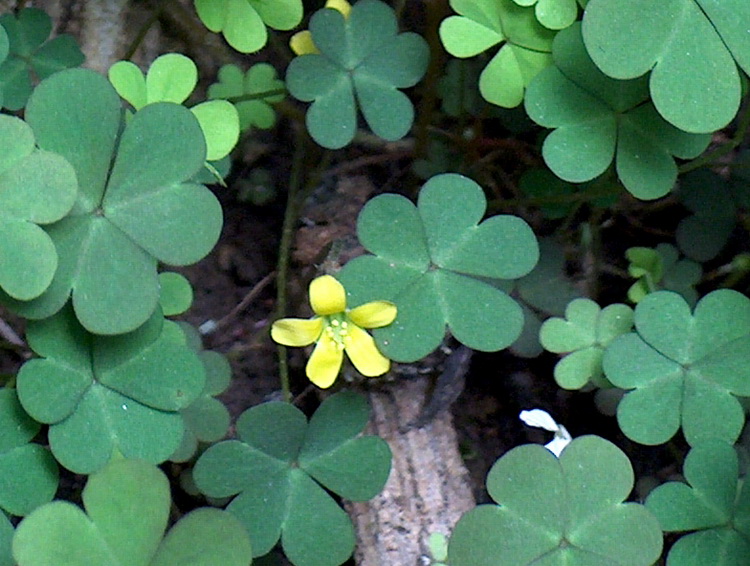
{"x":280,"y":467}
{"x":553,"y":14}
{"x":714,"y":504}
{"x":660,"y":268}
{"x":482,"y":24}
{"x":703,"y":234}
{"x":206,"y":418}
{"x":37,"y":187}
{"x":29,"y":472}
{"x":434,"y":261}
{"x":583,"y":335}
{"x":126,"y":513}
{"x":31,"y":56}
{"x":243,"y":22}
{"x":598,"y":120}
{"x":135,"y":205}
{"x":691,"y":47}
{"x":102,"y":394}
{"x":569,"y":510}
{"x":259,"y":85}
{"x":690,"y":367}
{"x":362,"y":58}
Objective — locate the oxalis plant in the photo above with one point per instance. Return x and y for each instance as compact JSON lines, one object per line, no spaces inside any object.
{"x":579,"y":197}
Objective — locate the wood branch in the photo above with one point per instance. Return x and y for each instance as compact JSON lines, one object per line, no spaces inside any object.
{"x":428,"y":489}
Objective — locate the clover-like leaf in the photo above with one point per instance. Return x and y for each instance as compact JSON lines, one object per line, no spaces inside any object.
{"x":175,"y":293}
{"x":683,"y":369}
{"x":714,"y":504}
{"x":583,"y":335}
{"x":243,"y":22}
{"x":482,"y":24}
{"x":362,"y":58}
{"x":135,"y":206}
{"x":434,"y":261}
{"x":206,"y":418}
{"x":257,"y":89}
{"x":598,"y":119}
{"x":691,"y":47}
{"x":29,"y":472}
{"x":570,"y":510}
{"x":280,"y":467}
{"x":661,"y":268}
{"x":31,"y":55}
{"x":553,"y":14}
{"x":102,"y":394}
{"x":36,"y":187}
{"x":127,"y":509}
{"x":703,"y":234}
{"x":171,"y":78}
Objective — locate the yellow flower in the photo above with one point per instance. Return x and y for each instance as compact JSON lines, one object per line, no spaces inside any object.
{"x":302,"y":42}
{"x":336,"y":330}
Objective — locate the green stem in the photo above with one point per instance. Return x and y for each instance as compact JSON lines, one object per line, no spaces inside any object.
{"x":581,"y":196}
{"x":296,"y":198}
{"x":707,"y":158}
{"x":256,"y":95}
{"x":138,"y":39}
{"x":436,"y":12}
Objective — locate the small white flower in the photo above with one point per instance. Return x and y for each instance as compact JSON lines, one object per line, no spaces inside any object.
{"x":541,"y":419}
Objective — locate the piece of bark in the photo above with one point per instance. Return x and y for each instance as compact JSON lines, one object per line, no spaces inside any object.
{"x":428,"y":489}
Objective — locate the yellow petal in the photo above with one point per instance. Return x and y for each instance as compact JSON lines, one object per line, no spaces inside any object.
{"x":325,"y":363}
{"x":327,"y":296}
{"x":341,"y":5}
{"x":302,"y":43}
{"x":374,"y":314}
{"x":296,"y":331}
{"x":364,"y":354}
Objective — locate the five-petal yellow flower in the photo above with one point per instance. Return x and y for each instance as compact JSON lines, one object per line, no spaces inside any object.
{"x":336,"y":330}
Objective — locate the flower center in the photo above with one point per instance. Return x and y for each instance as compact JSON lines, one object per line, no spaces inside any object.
{"x":338,"y":329}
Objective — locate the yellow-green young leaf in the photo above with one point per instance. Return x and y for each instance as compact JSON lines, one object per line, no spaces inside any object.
{"x":525,"y":50}
{"x":171,"y":78}
{"x":129,"y":83}
{"x":221,"y":127}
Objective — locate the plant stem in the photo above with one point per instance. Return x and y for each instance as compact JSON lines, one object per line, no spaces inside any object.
{"x":257,"y":95}
{"x":138,"y":39}
{"x":296,"y":197}
{"x":436,"y":12}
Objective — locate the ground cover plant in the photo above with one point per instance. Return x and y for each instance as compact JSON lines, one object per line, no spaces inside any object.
{"x":556,"y":184}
